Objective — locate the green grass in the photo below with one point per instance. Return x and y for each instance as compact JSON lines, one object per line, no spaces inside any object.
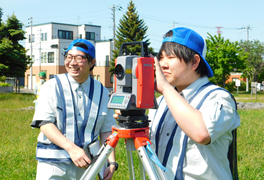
{"x":18,"y":142}
{"x":17,"y":138}
{"x":250,"y":144}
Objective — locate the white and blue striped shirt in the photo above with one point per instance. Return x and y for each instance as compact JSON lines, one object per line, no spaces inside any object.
{"x":200,"y":161}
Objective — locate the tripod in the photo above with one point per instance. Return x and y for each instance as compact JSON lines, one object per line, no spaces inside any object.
{"x":136,"y":139}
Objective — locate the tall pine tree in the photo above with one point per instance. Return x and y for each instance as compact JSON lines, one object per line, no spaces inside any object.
{"x":131,"y":29}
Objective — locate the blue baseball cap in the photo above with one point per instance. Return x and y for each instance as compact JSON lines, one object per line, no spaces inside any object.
{"x":192,"y":40}
{"x":90,"y":50}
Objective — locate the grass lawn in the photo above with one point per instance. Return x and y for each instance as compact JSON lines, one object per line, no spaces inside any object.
{"x":18,"y":141}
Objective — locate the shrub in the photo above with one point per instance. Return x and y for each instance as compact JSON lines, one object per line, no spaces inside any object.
{"x":230,"y":86}
{"x":4,"y":84}
{"x":2,"y":78}
{"x":242,"y":86}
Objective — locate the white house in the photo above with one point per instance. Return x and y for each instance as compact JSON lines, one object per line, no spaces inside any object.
{"x":47,"y":42}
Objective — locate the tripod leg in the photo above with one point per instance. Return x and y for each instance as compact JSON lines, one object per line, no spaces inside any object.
{"x":142,"y":170}
{"x":153,"y":171}
{"x":93,"y":169}
{"x":130,"y":165}
{"x":129,"y":149}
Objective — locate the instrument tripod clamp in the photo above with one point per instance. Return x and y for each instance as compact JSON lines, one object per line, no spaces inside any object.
{"x":136,"y":139}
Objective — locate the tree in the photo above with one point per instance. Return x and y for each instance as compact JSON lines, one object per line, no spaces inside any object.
{"x":224,"y":57}
{"x":13,"y":59}
{"x":131,"y":29}
{"x":254,"y":62}
{"x":1,"y":14}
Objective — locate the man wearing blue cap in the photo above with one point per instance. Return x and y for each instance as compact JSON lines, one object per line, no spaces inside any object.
{"x":71,"y":114}
{"x":192,"y":129}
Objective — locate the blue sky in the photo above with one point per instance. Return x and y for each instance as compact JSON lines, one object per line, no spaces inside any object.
{"x":159,"y":15}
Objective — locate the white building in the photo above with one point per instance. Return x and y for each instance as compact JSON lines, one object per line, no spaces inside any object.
{"x":50,"y":40}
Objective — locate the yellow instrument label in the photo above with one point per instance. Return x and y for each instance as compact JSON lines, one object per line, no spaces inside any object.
{"x":128,"y":71}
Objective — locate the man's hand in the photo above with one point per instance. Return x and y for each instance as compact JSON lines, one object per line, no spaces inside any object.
{"x":109,"y":172}
{"x":161,"y":82}
{"x":79,"y":157}
{"x":77,"y":154}
{"x":117,"y":112}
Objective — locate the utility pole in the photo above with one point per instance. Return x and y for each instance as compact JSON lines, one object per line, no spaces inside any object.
{"x":78,"y":28}
{"x":31,"y":81}
{"x":118,"y":7}
{"x":40,"y":38}
{"x":218,"y":30}
{"x":248,"y":28}
{"x":114,"y":9}
{"x":173,"y":24}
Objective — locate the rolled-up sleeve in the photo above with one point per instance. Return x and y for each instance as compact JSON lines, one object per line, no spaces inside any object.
{"x":220,"y":114}
{"x":45,"y":112}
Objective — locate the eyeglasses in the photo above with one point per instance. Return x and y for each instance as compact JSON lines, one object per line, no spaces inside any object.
{"x":77,"y":58}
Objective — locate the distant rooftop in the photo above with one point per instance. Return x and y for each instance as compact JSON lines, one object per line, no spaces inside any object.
{"x":62,"y":24}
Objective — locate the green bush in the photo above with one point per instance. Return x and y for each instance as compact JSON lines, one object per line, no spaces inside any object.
{"x":2,"y":78}
{"x":230,"y":86}
{"x":242,"y":86}
{"x":4,"y":84}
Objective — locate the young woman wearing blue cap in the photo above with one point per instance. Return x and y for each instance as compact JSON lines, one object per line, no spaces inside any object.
{"x":71,"y":114}
{"x":192,"y":129}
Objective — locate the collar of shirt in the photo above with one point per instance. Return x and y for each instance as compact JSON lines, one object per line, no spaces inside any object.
{"x":191,"y":90}
{"x":75,"y":85}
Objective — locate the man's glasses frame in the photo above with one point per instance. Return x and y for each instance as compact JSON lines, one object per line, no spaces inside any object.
{"x":78,"y":58}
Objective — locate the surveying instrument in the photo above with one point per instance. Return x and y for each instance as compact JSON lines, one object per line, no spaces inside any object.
{"x":134,"y":93}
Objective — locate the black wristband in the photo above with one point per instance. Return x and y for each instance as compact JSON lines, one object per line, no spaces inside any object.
{"x":113,"y":163}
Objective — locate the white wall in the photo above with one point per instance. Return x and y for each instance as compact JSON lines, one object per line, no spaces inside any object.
{"x":102,"y":49}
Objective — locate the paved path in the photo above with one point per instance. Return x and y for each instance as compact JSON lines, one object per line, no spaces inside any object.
{"x":23,"y":90}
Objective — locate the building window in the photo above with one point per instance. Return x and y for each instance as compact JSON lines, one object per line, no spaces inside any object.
{"x":44,"y":57}
{"x":107,"y":60}
{"x":44,"y":36}
{"x":94,"y":76}
{"x":50,"y":57}
{"x":65,"y":34}
{"x":112,"y":78}
{"x":47,"y":57}
{"x":98,"y":78}
{"x":90,"y":35}
{"x":33,"y":38}
{"x":80,"y":36}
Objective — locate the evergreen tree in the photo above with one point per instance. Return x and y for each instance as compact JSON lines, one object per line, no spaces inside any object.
{"x":13,"y":59}
{"x":224,"y":57}
{"x":1,"y":14}
{"x":131,"y":29}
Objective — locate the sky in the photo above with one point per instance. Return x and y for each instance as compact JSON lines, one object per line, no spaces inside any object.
{"x":239,"y":19}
